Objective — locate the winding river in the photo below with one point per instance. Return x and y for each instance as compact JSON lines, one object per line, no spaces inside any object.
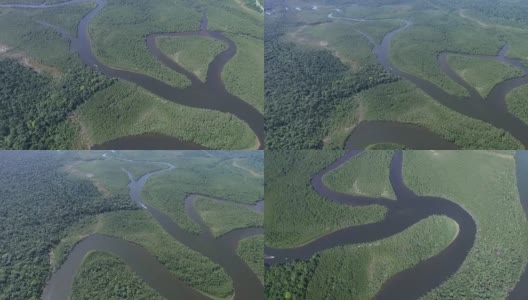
{"x":221,"y":251}
{"x":492,"y":109}
{"x":404,"y":212}
{"x":211,"y":94}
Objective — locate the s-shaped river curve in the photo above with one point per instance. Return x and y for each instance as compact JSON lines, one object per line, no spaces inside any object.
{"x":220,"y":250}
{"x":210,"y":94}
{"x":406,"y":211}
{"x":491,"y":110}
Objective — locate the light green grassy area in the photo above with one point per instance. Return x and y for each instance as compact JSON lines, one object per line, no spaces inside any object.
{"x":359,"y":271}
{"x":231,"y":18}
{"x":415,"y":49}
{"x":125,"y":109}
{"x":118,"y":34}
{"x":223,"y":217}
{"x":482,"y":74}
{"x":294,"y":213}
{"x":192,"y":53}
{"x":517,"y":101}
{"x":105,"y":276}
{"x":518,"y":42}
{"x":403,"y":102}
{"x":366,"y":174}
{"x":342,"y":121}
{"x":380,"y":11}
{"x":26,"y":38}
{"x":108,"y":175}
{"x":139,"y":227}
{"x":352,"y":48}
{"x":204,"y":176}
{"x":244,"y":73}
{"x":378,"y":29}
{"x":484,"y":183}
{"x":251,"y":250}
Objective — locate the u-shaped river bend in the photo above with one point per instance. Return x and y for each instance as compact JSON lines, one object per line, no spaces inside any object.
{"x":407,"y":210}
{"x":492,"y":110}
{"x":221,"y":251}
{"x":210,"y":94}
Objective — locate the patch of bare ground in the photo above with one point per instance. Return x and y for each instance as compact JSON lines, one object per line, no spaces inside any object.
{"x":71,"y":169}
{"x":25,"y":59}
{"x":84,"y":136}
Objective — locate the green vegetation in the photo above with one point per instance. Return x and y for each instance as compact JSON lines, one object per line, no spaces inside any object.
{"x":39,"y":202}
{"x":223,"y":217}
{"x":289,"y":281}
{"x":403,"y":102}
{"x":118,"y":34}
{"x":366,"y":174}
{"x":105,"y":276}
{"x":368,"y":266}
{"x":250,"y":250}
{"x":484,"y":184}
{"x":294,"y":213}
{"x":243,"y":74}
{"x":359,"y":271}
{"x":108,"y":175}
{"x":26,"y":38}
{"x":338,"y":38}
{"x":416,"y":49}
{"x":508,"y":12}
{"x":482,"y":74}
{"x":139,"y":227}
{"x":378,"y":29}
{"x":205,"y":176}
{"x":35,"y":107}
{"x":192,"y":53}
{"x":125,"y":109}
{"x":303,"y":88}
{"x":517,"y":104}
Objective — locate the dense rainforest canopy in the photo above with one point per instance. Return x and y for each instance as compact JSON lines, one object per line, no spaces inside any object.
{"x":34,"y":107}
{"x":39,"y":201}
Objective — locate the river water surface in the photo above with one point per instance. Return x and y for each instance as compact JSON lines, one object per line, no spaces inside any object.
{"x":492,"y":109}
{"x":404,"y":212}
{"x":220,"y":250}
{"x":210,"y":94}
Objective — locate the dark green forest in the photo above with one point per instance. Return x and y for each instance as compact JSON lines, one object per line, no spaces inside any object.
{"x":34,"y":108}
{"x":514,"y":12}
{"x":303,"y":87}
{"x":290,"y":281}
{"x":39,"y":201}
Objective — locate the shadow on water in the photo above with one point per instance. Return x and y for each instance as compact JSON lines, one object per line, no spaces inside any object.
{"x":210,"y":94}
{"x":404,"y":212}
{"x":221,"y":251}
